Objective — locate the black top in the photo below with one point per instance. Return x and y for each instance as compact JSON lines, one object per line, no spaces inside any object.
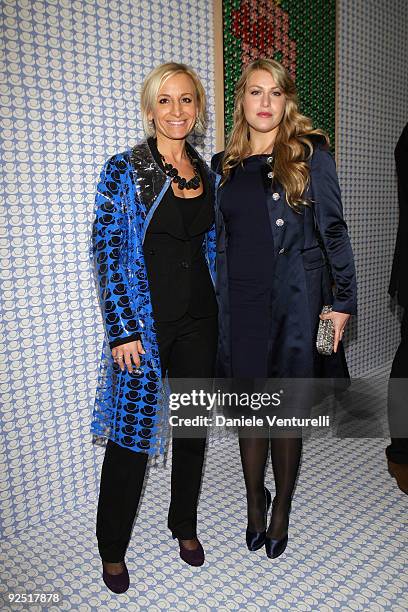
{"x":250,"y":265}
{"x":178,"y":274}
{"x":243,"y":202}
{"x":179,"y":279}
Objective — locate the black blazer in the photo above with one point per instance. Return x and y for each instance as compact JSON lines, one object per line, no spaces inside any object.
{"x":399,"y":282}
{"x":178,"y":274}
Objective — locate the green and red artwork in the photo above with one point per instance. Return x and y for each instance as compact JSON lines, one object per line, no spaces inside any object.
{"x":301,"y":34}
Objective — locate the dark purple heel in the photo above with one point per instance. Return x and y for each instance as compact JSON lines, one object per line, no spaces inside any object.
{"x":194,"y":557}
{"x":256,"y":539}
{"x":119,"y":583}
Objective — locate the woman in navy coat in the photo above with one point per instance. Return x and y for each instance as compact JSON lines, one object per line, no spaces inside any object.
{"x":279,"y":217}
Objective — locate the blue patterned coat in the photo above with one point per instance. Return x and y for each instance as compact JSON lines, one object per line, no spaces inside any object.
{"x":131,"y":409}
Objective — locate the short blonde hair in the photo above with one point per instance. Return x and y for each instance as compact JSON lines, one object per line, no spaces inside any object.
{"x":151,"y":87}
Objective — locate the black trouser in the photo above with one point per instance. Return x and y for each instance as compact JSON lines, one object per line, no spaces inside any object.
{"x":187,"y":349}
{"x":397,"y":399}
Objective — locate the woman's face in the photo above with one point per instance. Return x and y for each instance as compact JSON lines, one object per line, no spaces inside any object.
{"x":175,"y":111}
{"x":264,"y":102}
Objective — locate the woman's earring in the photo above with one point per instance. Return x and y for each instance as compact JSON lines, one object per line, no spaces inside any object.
{"x":198,"y":126}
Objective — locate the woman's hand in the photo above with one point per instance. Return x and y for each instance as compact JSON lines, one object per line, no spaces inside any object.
{"x":127,"y":355}
{"x":339,"y":321}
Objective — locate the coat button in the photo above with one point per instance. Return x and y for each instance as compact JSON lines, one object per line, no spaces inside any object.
{"x":270,"y":175}
{"x":279,"y":222}
{"x":269,"y":159}
{"x":281,"y":251}
{"x":275,"y":196}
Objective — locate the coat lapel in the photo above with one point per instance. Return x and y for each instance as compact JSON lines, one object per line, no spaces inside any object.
{"x":150,"y":180}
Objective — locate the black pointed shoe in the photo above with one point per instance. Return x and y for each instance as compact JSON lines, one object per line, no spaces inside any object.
{"x":256,"y":539}
{"x":274,"y":548}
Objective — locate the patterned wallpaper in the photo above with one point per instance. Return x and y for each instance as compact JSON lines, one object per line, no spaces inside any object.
{"x":69,"y":101}
{"x":372,"y":111}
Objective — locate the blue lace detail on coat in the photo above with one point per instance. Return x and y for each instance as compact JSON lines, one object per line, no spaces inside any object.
{"x":130,"y":409}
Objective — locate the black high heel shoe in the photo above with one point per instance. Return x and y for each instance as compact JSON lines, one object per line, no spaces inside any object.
{"x":274,"y":548}
{"x":256,"y":539}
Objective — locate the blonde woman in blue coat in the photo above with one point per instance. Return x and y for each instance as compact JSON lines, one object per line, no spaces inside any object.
{"x":278,"y":183}
{"x":153,"y":251}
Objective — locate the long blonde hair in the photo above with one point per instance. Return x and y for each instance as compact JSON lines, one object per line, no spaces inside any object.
{"x":292,"y":146}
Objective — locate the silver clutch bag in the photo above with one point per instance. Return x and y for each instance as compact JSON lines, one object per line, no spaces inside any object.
{"x":325,"y":334}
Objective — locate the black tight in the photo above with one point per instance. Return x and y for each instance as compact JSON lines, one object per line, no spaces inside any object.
{"x":285,"y":455}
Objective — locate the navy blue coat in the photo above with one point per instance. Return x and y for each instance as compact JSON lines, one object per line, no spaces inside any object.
{"x":301,"y":278}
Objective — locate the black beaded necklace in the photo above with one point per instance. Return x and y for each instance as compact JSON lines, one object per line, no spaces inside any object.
{"x":180,"y":181}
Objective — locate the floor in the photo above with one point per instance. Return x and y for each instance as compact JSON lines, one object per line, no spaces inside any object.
{"x":347,"y":543}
